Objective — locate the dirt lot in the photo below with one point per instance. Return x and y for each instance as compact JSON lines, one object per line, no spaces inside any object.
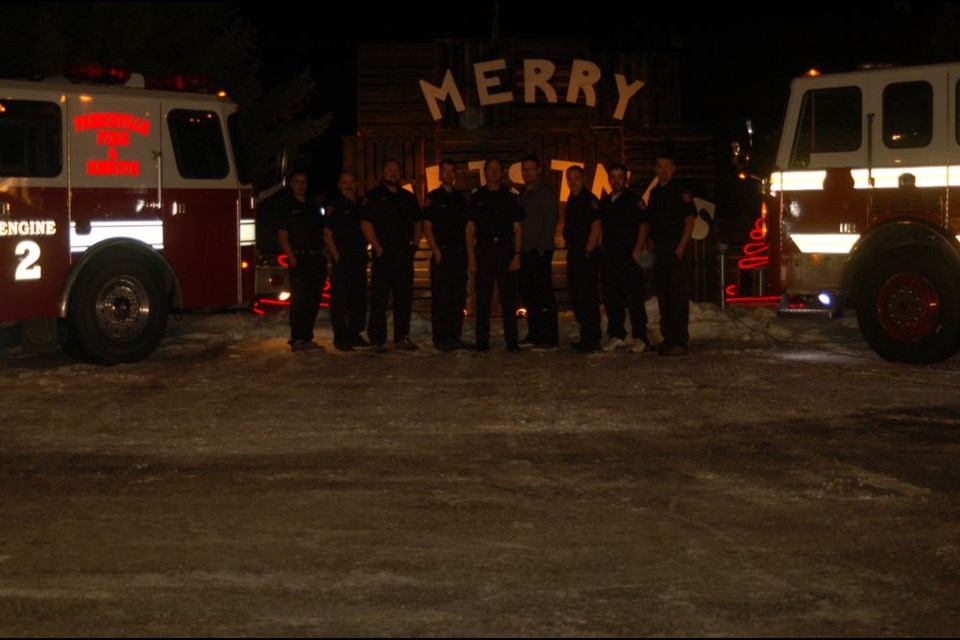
{"x":779,"y":480}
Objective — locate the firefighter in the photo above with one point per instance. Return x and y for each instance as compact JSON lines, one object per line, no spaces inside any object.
{"x":445,"y":222}
{"x":671,"y":215}
{"x":621,"y":218}
{"x":536,"y":262}
{"x":300,"y":233}
{"x":391,"y":223}
{"x":348,"y":253}
{"x":494,"y":237}
{"x":581,"y":234}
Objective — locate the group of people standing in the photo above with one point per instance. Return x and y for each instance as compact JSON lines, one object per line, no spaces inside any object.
{"x":502,"y":237}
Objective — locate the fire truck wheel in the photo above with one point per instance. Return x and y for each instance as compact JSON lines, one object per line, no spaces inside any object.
{"x":909,"y":309}
{"x":118,"y":310}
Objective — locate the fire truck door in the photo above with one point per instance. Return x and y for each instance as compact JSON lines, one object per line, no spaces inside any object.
{"x":200,"y":205}
{"x":114,"y":145}
{"x":910,"y":142}
{"x":34,"y":219}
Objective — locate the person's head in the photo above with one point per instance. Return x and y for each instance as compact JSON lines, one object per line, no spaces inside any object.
{"x":493,"y":172}
{"x":530,"y":169}
{"x":617,"y":173}
{"x":664,"y":167}
{"x":348,"y":184}
{"x":575,"y":179}
{"x":297,"y":180}
{"x":390,"y":173}
{"x":448,"y":172}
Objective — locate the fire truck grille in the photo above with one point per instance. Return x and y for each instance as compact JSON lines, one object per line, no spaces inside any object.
{"x":813,"y":272}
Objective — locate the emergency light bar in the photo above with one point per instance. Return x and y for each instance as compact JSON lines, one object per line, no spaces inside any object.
{"x":93,"y":72}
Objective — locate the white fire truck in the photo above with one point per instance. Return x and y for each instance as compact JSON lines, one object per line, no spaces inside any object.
{"x":119,"y":204}
{"x":865,"y":206}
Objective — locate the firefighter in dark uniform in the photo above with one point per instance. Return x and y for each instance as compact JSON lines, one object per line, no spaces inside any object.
{"x":671,"y":215}
{"x":621,"y":217}
{"x":494,"y":238}
{"x":391,"y":223}
{"x":445,"y":222}
{"x":300,"y":233}
{"x":581,"y":234}
{"x":348,"y":252}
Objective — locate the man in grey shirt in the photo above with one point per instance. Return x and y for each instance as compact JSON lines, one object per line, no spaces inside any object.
{"x":536,"y":278}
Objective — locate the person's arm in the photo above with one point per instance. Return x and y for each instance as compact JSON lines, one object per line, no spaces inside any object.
{"x":371,"y":235}
{"x":517,"y":244}
{"x":548,"y":230}
{"x":642,"y":235}
{"x":331,"y":245}
{"x":432,"y":241}
{"x":594,"y":238}
{"x":283,"y":236}
{"x":470,"y":232}
{"x":417,"y":233}
{"x":687,"y":234}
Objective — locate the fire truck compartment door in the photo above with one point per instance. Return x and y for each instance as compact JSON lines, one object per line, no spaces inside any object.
{"x":201,"y":210}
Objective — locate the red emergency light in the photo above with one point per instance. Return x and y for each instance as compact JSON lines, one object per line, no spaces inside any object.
{"x":192,"y":82}
{"x":93,"y":72}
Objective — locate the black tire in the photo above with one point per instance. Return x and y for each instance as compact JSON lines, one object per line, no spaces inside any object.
{"x":118,"y":310}
{"x":908,"y":307}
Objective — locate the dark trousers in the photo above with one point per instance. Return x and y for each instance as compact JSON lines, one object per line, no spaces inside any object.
{"x":536,"y":291}
{"x":670,"y":278}
{"x":348,"y":298}
{"x":448,"y":293}
{"x":623,"y":292}
{"x":583,"y":278}
{"x":306,"y":287}
{"x":391,"y":274}
{"x":493,"y":265}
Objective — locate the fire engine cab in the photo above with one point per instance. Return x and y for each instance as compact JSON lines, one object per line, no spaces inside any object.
{"x":865,"y":205}
{"x":118,"y":204}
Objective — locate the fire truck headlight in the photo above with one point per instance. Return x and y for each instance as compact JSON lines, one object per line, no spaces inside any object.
{"x":825,"y":299}
{"x":284,"y":296}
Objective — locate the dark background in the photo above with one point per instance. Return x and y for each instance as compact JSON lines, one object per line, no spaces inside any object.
{"x":288,"y":68}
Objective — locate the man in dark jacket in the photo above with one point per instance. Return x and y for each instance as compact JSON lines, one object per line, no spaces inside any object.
{"x":391,"y":223}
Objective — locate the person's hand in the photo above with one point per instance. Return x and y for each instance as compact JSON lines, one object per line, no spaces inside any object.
{"x":292,"y":261}
{"x":515,"y":263}
{"x":636,"y":255}
{"x":437,"y":256}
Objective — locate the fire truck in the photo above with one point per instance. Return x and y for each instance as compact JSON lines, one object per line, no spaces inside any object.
{"x":119,"y":204}
{"x":864,"y":206}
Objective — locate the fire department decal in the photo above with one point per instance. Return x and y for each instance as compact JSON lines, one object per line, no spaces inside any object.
{"x":113,"y":131}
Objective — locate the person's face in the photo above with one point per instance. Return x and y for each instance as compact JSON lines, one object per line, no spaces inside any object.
{"x":664,"y":169}
{"x":391,"y":174}
{"x":530,"y":171}
{"x":448,"y":174}
{"x":493,"y":174}
{"x":575,"y":181}
{"x":618,"y":180}
{"x":348,"y":185}
{"x":298,"y":185}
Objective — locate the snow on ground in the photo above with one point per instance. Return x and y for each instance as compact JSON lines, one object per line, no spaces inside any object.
{"x":743,"y":326}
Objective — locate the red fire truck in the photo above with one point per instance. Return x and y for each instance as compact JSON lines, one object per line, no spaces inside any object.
{"x":118,"y":204}
{"x":865,"y":208}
